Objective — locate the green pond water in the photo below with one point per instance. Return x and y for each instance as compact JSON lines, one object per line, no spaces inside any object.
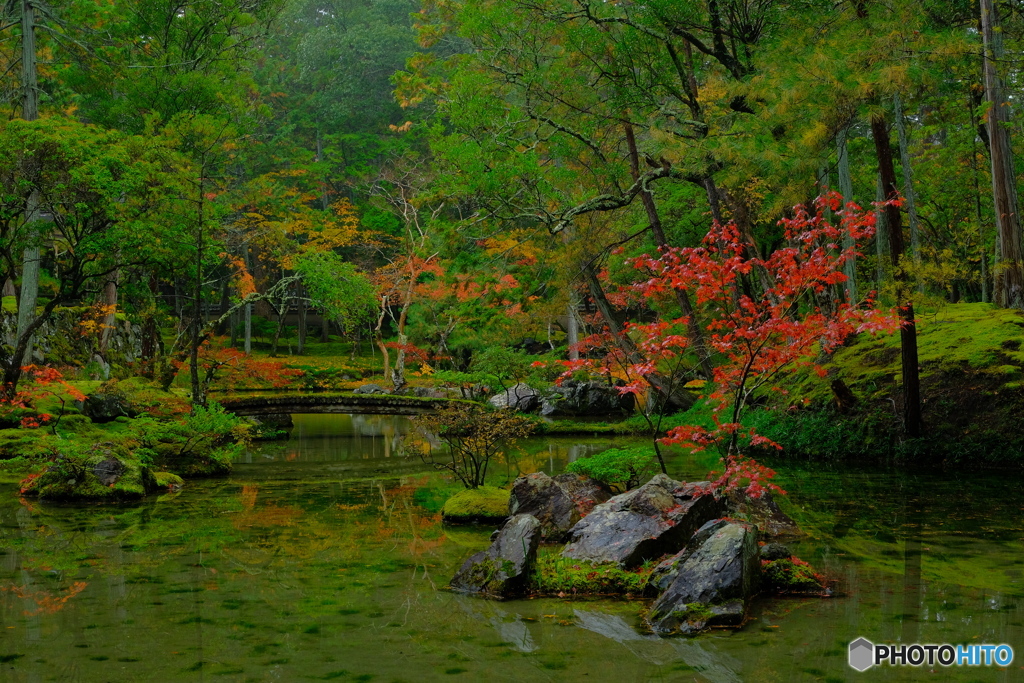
{"x":323,"y":558}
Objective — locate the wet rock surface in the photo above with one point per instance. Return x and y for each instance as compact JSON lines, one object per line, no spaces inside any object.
{"x":585,"y":399}
{"x":521,"y":397}
{"x":643,"y":524}
{"x":712,"y":584}
{"x":558,"y":503}
{"x":503,"y":569}
{"x":765,"y":514}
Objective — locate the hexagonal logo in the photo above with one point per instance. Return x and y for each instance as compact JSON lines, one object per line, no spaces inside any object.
{"x":862,"y":654}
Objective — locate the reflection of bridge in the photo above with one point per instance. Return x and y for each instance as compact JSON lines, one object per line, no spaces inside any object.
{"x":379,"y":404}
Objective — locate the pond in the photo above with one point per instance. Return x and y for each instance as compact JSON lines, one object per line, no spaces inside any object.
{"x":323,"y":558}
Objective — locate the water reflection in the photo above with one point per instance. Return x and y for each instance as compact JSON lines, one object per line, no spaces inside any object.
{"x":331,"y":565}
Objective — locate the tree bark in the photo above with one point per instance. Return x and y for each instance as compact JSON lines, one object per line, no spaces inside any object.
{"x":671,"y":395}
{"x":693,"y":329}
{"x":31,"y":254}
{"x":908,"y":182}
{"x":912,"y":423}
{"x":1009,"y":273}
{"x":846,"y":189}
{"x":302,"y":322}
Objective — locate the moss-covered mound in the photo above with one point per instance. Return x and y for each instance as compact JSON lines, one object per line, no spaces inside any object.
{"x":791,"y":575}
{"x":972,"y":383}
{"x":168,"y":480}
{"x":136,"y":396}
{"x":101,"y":472}
{"x":483,"y":504}
{"x":557,"y":575}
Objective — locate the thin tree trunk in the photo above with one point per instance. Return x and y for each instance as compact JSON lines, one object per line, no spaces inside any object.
{"x":573,"y":325}
{"x":670,"y":394}
{"x":109,"y":322}
{"x":881,"y":234}
{"x":248,"y":308}
{"x":693,"y":329}
{"x":302,"y":322}
{"x":908,"y":182}
{"x":908,"y":330}
{"x":1009,"y":275}
{"x":378,"y":337}
{"x":225,"y":304}
{"x":846,"y":189}
{"x":198,"y":395}
{"x":31,"y":254}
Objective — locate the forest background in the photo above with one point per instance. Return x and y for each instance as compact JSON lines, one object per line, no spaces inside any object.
{"x":465,"y":184}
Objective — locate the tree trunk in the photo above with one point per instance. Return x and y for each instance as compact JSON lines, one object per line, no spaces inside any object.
{"x":908,"y":329}
{"x":693,"y":329}
{"x":908,"y":182}
{"x":248,"y":308}
{"x":846,"y":189}
{"x":225,"y":304}
{"x":573,"y":325}
{"x":31,"y":254}
{"x":110,"y":319}
{"x":302,"y":322}
{"x":881,"y":235}
{"x":378,"y":337}
{"x":198,"y":395}
{"x":668,"y":393}
{"x":1009,"y":275}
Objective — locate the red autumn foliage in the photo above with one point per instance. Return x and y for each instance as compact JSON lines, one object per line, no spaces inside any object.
{"x":45,"y":381}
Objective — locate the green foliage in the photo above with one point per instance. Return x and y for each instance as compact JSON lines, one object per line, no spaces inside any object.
{"x":624,"y":466}
{"x":484,"y":503}
{"x":556,"y":575}
{"x":338,"y":289}
{"x":202,"y":443}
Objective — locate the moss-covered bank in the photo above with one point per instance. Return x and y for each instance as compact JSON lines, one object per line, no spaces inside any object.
{"x":972,"y":384}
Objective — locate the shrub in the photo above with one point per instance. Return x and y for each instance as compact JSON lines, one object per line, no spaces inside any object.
{"x":626,"y":466}
{"x":475,"y":435}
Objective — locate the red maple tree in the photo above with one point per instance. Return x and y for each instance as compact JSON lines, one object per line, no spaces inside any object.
{"x":763,"y":316}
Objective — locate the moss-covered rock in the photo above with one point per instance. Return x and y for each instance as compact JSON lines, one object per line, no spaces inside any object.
{"x":101,"y":472}
{"x":483,"y":504}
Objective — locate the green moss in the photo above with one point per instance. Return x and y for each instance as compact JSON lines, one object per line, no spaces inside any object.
{"x":791,"y":575}
{"x":168,"y":479}
{"x":555,"y":574}
{"x":486,"y":503}
{"x":624,"y":466}
{"x":695,"y":612}
{"x":971,"y":362}
{"x":72,"y":475}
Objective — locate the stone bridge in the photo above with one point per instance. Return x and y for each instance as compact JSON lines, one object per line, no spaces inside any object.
{"x":380,"y":404}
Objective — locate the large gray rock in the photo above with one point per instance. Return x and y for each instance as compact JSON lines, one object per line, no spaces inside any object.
{"x":712,"y":584}
{"x":666,"y":572}
{"x":106,"y":404}
{"x":585,"y":399}
{"x":503,"y":569}
{"x":521,"y":397}
{"x":645,"y":523}
{"x":369,"y":389}
{"x":764,"y":513}
{"x":558,"y":503}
